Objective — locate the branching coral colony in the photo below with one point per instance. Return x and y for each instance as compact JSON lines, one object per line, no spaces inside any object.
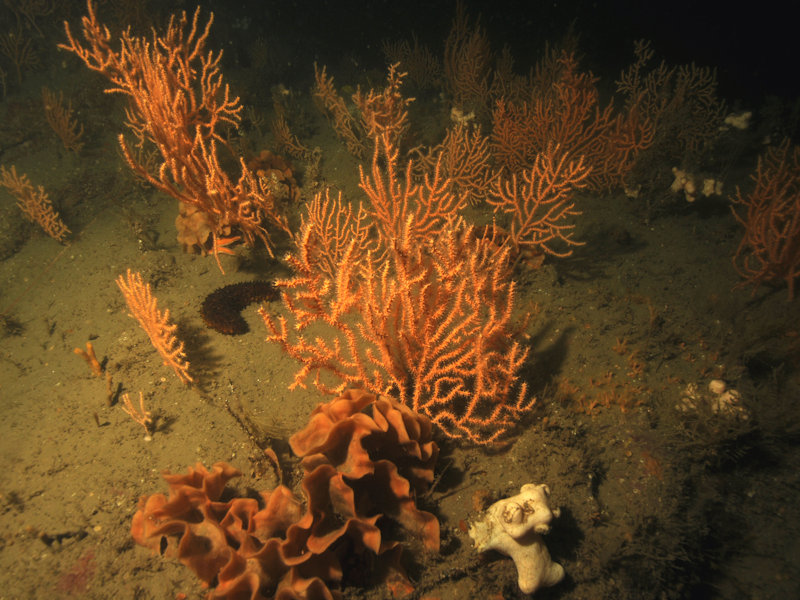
{"x":424,"y":315}
{"x":179,"y":105}
{"x":770,"y":213}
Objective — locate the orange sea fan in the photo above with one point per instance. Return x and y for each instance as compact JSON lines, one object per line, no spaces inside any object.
{"x":34,"y":203}
{"x":541,"y":203}
{"x":432,"y":325}
{"x":144,"y":308}
{"x":179,"y":107}
{"x":770,"y":247}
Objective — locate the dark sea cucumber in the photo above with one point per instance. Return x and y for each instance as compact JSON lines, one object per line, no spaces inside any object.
{"x":221,"y":310}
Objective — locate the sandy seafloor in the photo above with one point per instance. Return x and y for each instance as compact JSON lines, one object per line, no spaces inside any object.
{"x":655,"y":502}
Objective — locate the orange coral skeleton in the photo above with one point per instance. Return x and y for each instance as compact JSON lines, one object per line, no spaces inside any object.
{"x":542,"y":203}
{"x":179,"y":104}
{"x":431,"y":204}
{"x":385,"y":113}
{"x":770,"y":247}
{"x":467,"y":63}
{"x":34,"y":203}
{"x":334,"y":107}
{"x":566,"y":112}
{"x":430,"y":323}
{"x":91,"y":359}
{"x":62,"y":121}
{"x":144,"y":308}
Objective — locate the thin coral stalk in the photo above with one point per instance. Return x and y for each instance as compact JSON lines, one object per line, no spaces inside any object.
{"x":144,"y":308}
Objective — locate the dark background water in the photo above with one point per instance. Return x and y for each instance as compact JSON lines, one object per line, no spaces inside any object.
{"x":754,"y":47}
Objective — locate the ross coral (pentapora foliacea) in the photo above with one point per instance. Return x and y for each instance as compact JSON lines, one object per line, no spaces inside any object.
{"x":364,"y":458}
